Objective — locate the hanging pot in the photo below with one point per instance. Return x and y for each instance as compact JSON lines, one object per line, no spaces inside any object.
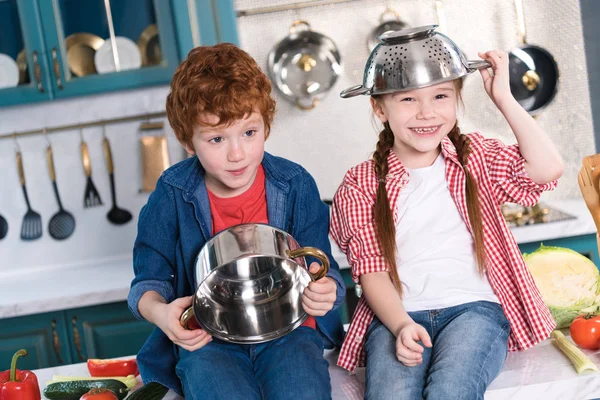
{"x":385,"y":25}
{"x":304,"y":66}
{"x":533,"y":71}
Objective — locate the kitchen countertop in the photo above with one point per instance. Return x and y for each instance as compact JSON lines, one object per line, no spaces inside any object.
{"x":60,"y":287}
{"x":542,"y":372}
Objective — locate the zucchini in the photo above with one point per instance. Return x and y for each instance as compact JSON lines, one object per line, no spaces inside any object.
{"x":130,"y":380}
{"x":73,"y":390}
{"x":151,"y":391}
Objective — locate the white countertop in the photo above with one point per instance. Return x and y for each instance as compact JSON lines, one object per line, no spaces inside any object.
{"x":539,"y":373}
{"x":63,"y":287}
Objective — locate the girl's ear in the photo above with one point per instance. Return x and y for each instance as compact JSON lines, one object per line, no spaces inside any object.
{"x":378,"y":110}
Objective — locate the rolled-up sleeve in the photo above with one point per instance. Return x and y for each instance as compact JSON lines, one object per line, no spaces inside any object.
{"x":506,"y":168}
{"x":353,"y":229}
{"x":154,"y":248}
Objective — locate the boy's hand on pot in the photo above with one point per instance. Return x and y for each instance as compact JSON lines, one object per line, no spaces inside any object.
{"x":408,"y":351}
{"x":167,"y":319}
{"x":319,"y":296}
{"x":497,"y":85}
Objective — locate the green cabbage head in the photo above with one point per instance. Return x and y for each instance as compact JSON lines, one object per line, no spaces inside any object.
{"x":568,"y":281}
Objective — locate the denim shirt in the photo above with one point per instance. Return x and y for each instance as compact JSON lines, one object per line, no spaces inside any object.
{"x":176,"y":223}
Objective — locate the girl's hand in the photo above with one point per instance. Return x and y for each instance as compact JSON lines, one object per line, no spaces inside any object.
{"x":497,"y":85}
{"x":319,"y":296}
{"x":408,"y":351}
{"x":167,"y":319}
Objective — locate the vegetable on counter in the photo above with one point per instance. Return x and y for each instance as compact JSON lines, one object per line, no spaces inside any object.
{"x":130,"y":381}
{"x":568,"y":281}
{"x":73,"y":390}
{"x":585,"y":331}
{"x":99,"y":394}
{"x":19,"y":385}
{"x":151,"y":391}
{"x":580,"y":361}
{"x":104,"y":368}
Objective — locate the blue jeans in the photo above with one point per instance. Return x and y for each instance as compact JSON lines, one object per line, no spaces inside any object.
{"x":470,"y":344}
{"x":291,"y":367}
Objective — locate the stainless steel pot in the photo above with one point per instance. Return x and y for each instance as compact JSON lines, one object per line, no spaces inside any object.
{"x":385,"y":25}
{"x":250,"y":279}
{"x":304,"y":66}
{"x":411,"y":59}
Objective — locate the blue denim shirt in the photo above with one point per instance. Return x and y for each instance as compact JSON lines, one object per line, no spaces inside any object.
{"x":175,"y":224}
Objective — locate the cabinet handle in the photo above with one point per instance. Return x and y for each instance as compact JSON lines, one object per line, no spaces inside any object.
{"x":56,"y":69}
{"x":37,"y":72}
{"x":56,"y":342}
{"x":77,"y":339}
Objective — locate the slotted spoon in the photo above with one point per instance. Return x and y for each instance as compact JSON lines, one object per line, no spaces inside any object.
{"x":62,"y":224}
{"x":3,"y":227}
{"x":31,"y":227}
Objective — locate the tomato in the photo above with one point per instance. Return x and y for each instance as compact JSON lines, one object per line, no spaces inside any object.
{"x":106,"y":368}
{"x":99,"y":394}
{"x":585,"y":331}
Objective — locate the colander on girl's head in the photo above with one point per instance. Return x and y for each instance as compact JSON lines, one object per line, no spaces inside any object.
{"x":412,"y":59}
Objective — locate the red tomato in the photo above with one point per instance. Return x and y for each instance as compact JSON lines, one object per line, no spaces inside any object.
{"x":585,"y":331}
{"x":99,"y":394}
{"x":104,"y":368}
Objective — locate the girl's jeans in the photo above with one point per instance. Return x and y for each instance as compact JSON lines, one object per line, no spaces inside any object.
{"x":291,"y":367}
{"x":470,"y":344}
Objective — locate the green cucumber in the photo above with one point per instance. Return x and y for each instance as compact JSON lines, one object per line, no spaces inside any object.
{"x":150,"y":391}
{"x":73,"y":390}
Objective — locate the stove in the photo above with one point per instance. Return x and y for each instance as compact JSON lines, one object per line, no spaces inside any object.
{"x":517,"y":215}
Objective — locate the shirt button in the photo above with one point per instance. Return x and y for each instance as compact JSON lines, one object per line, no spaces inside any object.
{"x":358,"y":338}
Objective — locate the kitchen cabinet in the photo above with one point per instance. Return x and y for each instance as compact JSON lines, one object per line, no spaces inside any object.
{"x":71,"y":336}
{"x":62,"y":48}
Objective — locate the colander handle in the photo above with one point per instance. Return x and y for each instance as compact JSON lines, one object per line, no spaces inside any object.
{"x":478,"y":64}
{"x":298,"y":23}
{"x":311,"y":251}
{"x":354,"y":91}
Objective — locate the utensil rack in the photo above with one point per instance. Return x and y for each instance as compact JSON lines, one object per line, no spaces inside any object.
{"x":69,"y":127}
{"x":287,"y":7}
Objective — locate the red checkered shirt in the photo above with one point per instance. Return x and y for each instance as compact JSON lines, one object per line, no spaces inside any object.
{"x":500,"y":173}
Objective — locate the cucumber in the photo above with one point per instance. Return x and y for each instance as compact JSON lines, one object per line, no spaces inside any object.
{"x":73,"y":390}
{"x":150,"y":391}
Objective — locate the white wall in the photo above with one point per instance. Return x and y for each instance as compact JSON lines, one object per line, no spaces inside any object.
{"x":327,"y":140}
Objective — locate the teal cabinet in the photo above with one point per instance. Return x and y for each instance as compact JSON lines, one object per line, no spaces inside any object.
{"x":63,"y":48}
{"x":73,"y":336}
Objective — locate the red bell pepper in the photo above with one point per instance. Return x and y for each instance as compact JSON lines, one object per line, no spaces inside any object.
{"x":19,"y":385}
{"x":110,"y":368}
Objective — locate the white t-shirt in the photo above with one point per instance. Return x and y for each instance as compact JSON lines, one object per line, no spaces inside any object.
{"x":436,"y":258}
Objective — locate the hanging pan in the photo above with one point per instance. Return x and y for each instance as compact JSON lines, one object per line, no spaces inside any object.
{"x":533,"y":71}
{"x":304,"y":66}
{"x":390,"y":21}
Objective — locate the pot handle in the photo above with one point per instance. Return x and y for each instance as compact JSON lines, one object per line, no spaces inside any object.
{"x":297,"y":23}
{"x":391,"y":12}
{"x":188,"y":319}
{"x":311,"y":251}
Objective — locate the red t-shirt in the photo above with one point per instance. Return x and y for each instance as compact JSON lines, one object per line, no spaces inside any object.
{"x":248,"y":207}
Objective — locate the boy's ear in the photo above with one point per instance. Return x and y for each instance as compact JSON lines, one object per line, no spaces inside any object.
{"x":378,"y":110}
{"x":189,"y":149}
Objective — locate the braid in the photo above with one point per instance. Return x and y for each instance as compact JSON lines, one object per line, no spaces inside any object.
{"x":463,"y":150}
{"x":384,"y":219}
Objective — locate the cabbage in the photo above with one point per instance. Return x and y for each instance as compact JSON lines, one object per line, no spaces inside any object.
{"x":568,"y":281}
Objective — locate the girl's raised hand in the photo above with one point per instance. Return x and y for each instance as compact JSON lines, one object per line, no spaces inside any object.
{"x":408,"y":351}
{"x":497,"y":83}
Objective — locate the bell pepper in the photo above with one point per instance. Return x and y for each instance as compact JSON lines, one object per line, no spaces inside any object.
{"x":110,"y":368}
{"x":19,"y":385}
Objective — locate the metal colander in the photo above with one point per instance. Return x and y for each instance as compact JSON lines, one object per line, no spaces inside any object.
{"x":410,"y":59}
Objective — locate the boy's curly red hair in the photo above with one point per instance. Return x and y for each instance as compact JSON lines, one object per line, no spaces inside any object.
{"x":221,"y":80}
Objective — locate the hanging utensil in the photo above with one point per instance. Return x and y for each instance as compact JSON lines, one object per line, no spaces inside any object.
{"x":533,"y":71}
{"x":116,"y":215}
{"x":31,"y":227}
{"x":91,"y":197}
{"x":3,"y":227}
{"x":304,"y":66}
{"x":62,"y":224}
{"x":385,"y":25}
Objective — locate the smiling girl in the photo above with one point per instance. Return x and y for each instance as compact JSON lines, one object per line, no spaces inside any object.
{"x":446,"y":290}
